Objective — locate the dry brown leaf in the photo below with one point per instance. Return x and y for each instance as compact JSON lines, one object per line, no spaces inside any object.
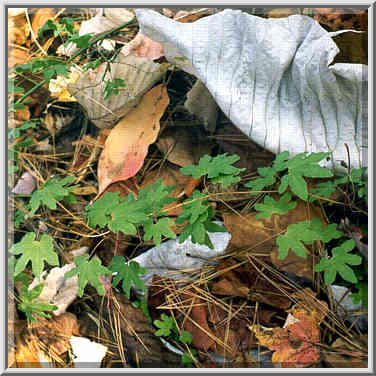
{"x":247,"y":282}
{"x":127,"y":145}
{"x":264,"y":233}
{"x":143,"y":46}
{"x":55,"y":333}
{"x":17,"y":55}
{"x":22,"y":114}
{"x":296,"y":344}
{"x":139,"y":75}
{"x":187,"y":17}
{"x":41,"y":16}
{"x":181,"y":147}
{"x":343,"y":355}
{"x":18,"y":29}
{"x":83,"y":191}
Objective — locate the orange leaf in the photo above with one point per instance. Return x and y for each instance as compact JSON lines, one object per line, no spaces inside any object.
{"x":294,"y":345}
{"x":127,"y":145}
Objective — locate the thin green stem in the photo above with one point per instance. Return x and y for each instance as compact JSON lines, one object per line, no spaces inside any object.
{"x":79,"y":52}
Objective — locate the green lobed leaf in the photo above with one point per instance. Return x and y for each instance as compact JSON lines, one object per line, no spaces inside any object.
{"x":218,"y":168}
{"x":88,"y":272}
{"x":156,"y":230}
{"x":36,"y":252}
{"x":54,"y":190}
{"x":338,"y":263}
{"x":166,"y":325}
{"x":271,"y":206}
{"x":129,"y":273}
{"x":98,"y":213}
{"x":30,"y":307}
{"x":305,"y":233}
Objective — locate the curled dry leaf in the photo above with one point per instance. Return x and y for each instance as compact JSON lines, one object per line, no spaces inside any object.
{"x":25,"y":185}
{"x":139,"y":75}
{"x":127,"y":145}
{"x":143,"y":46}
{"x":296,"y":344}
{"x":17,"y":55}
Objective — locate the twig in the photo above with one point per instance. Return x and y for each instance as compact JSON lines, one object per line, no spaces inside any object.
{"x":32,"y":33}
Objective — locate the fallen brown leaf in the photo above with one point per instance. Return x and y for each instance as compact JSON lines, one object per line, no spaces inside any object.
{"x":127,"y":145}
{"x":246,"y":281}
{"x":263,"y":236}
{"x":18,"y":29}
{"x":181,"y":147}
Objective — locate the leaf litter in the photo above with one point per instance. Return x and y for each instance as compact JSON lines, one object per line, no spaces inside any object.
{"x":211,"y":306}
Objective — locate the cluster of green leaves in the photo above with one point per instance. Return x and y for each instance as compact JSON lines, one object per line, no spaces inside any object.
{"x":49,"y":66}
{"x":167,"y":328}
{"x":198,"y":213}
{"x":300,"y":166}
{"x":290,"y":173}
{"x":127,"y":214}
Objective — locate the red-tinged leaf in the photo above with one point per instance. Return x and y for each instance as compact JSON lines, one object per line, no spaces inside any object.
{"x":296,"y":344}
{"x":127,"y":144}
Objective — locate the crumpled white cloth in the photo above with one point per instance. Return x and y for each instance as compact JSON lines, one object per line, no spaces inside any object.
{"x":273,"y":79}
{"x":171,"y":257}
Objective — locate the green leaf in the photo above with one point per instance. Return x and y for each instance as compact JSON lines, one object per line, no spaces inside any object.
{"x":13,"y":88}
{"x":166,"y":325}
{"x":270,"y":206}
{"x":98,"y":213}
{"x":324,"y":189}
{"x":54,"y":190}
{"x":304,"y":165}
{"x":48,"y":25}
{"x":267,"y":179}
{"x":129,"y":273}
{"x":127,"y":215}
{"x":339,"y":262}
{"x":156,"y":230}
{"x":193,"y":208}
{"x":112,"y":87}
{"x":187,"y":358}
{"x":185,"y":337}
{"x":16,"y":132}
{"x":36,"y":252}
{"x":306,"y":232}
{"x":88,"y":272}
{"x":155,"y":196}
{"x":30,"y":307}
{"x":361,"y":295}
{"x":218,"y":168}
{"x":80,"y":41}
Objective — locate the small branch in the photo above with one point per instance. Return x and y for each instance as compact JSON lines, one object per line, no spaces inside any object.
{"x":33,"y":35}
